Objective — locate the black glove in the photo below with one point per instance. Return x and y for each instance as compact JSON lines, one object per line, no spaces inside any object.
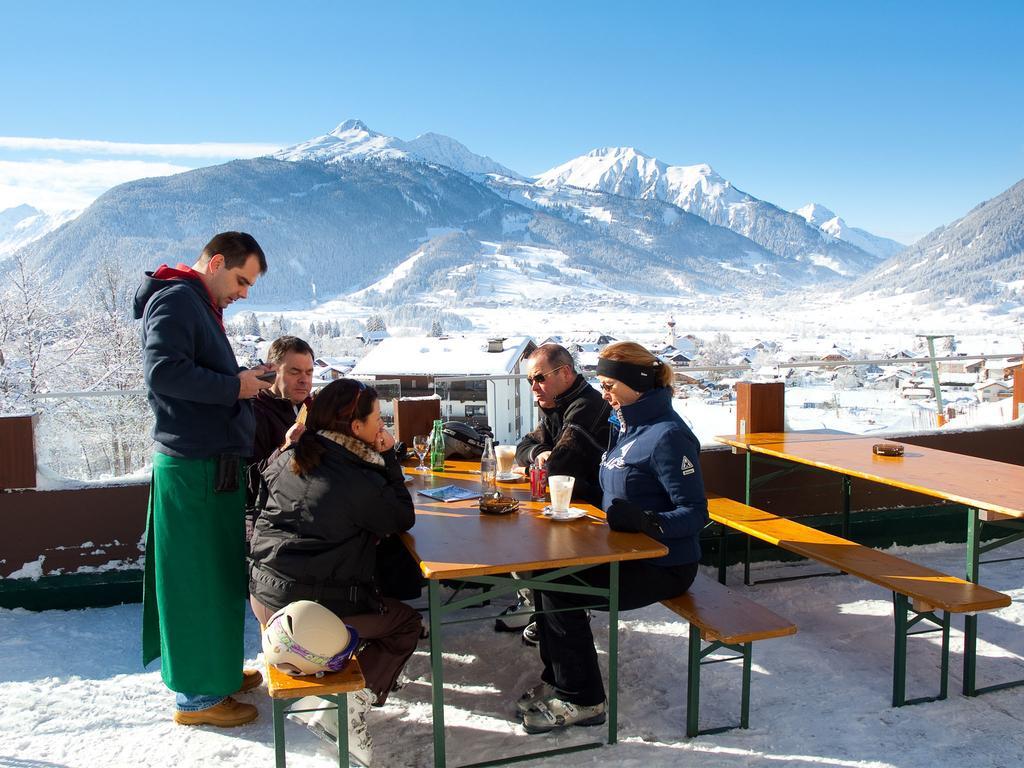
{"x":624,"y":516}
{"x":628,"y":517}
{"x":651,"y":524}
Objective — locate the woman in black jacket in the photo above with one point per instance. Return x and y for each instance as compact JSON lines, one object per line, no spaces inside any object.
{"x":331,"y":501}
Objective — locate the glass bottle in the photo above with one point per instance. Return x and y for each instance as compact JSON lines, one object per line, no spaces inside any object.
{"x":437,"y":447}
{"x":488,"y":469}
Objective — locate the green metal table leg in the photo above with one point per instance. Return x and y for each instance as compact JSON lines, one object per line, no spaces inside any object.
{"x":279,"y":752}
{"x":847,"y":489}
{"x":721,"y":553}
{"x":745,"y":701}
{"x":613,"y":652}
{"x":749,"y":461}
{"x":944,"y":687}
{"x":436,"y":671}
{"x":693,"y":683}
{"x":723,"y":549}
{"x":746,"y":500}
{"x":899,"y":663}
{"x":746,"y":560}
{"x":971,"y":621}
{"x":341,"y":702}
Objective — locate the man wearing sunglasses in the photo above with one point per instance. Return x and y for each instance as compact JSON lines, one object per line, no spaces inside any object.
{"x":570,"y":439}
{"x":573,"y":429}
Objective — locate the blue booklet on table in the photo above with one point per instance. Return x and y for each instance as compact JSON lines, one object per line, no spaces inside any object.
{"x":450,"y":493}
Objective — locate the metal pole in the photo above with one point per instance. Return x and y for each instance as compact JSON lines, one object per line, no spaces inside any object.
{"x":935,"y":374}
{"x":899,"y":662}
{"x":279,"y":749}
{"x":613,"y":652}
{"x":436,"y":671}
{"x":693,"y":683}
{"x":341,"y":711}
{"x":745,"y":700}
{"x":971,"y":620}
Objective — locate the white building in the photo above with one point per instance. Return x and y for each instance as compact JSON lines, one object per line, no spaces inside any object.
{"x":990,"y":391}
{"x":474,"y":375}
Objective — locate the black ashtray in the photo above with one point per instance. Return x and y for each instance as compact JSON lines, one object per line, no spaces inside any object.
{"x":887,"y":449}
{"x":498,"y":505}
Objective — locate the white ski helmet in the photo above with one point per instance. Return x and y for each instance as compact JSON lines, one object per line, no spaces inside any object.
{"x":304,"y":638}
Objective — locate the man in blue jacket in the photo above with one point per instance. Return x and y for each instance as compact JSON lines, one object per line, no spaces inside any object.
{"x":195,"y":583}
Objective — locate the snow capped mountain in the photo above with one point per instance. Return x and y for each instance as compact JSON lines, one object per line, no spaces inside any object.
{"x":350,"y":139}
{"x":816,"y":214}
{"x":821,"y":217}
{"x":354,"y":140}
{"x":977,"y":258}
{"x":356,"y":210}
{"x":628,"y":172}
{"x":698,"y":189}
{"x":24,"y":224}
{"x":444,"y":150}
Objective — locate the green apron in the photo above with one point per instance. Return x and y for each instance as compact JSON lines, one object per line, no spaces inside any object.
{"x":195,"y":584}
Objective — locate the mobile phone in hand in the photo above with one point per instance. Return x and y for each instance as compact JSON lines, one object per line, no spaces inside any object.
{"x":270,"y":376}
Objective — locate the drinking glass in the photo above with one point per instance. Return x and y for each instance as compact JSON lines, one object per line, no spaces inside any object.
{"x":506,"y":455}
{"x":561,"y":492}
{"x":421,"y":444}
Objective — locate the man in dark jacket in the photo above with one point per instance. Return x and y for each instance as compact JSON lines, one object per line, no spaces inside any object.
{"x":194,"y":589}
{"x":276,"y":408}
{"x":570,"y":439}
{"x":573,"y":429}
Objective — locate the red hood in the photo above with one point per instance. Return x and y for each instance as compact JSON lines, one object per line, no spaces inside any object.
{"x":185,"y":272}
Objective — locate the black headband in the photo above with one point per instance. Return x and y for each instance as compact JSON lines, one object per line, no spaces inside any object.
{"x":639,"y":377}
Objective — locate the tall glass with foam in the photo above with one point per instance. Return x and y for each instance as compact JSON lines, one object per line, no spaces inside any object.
{"x":506,"y":455}
{"x":561,"y":492}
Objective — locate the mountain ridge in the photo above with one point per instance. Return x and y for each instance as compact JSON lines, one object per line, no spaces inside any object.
{"x":979,"y":257}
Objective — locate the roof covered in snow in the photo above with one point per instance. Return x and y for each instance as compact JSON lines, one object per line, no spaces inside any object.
{"x":450,"y":356}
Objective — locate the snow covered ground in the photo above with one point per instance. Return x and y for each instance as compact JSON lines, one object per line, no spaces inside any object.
{"x":72,"y":693}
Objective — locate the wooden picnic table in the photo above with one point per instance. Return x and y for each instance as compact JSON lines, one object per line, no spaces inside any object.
{"x":993,"y":492}
{"x":453,"y":541}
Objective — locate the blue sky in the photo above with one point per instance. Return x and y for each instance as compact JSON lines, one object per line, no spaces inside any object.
{"x":899,"y":117}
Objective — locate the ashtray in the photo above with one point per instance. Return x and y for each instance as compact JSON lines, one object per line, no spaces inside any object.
{"x":887,"y":449}
{"x":498,"y":505}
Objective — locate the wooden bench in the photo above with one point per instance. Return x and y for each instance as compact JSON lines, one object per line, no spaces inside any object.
{"x":917,"y":590}
{"x":333,"y":686}
{"x":723,"y":619}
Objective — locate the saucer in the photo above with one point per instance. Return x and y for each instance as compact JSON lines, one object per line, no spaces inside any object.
{"x":507,"y":476}
{"x":572,"y":513}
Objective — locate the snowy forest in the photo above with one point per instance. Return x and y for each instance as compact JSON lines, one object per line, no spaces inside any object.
{"x":75,"y":360}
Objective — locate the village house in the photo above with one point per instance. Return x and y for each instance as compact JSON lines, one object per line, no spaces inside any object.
{"x":473,"y":375}
{"x":328,"y":369}
{"x":999,"y":368}
{"x":992,"y":390}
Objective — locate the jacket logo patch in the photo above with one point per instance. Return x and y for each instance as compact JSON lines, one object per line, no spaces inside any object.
{"x":687,"y":467}
{"x":619,"y":461}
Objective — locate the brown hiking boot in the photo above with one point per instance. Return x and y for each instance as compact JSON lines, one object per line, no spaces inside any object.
{"x":251,"y":678}
{"x":227,"y":714}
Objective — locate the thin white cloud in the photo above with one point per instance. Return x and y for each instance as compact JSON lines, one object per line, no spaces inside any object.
{"x":214,"y":150}
{"x":58,"y":185}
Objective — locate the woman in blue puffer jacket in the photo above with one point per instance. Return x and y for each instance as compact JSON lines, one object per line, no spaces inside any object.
{"x":651,"y":483}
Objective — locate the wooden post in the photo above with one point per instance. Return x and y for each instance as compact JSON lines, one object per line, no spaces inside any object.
{"x":415,"y":416}
{"x":1018,"y":392}
{"x":760,"y":407}
{"x":17,"y":451}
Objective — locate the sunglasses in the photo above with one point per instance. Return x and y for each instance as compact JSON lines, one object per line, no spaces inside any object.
{"x":607,"y":386}
{"x":541,"y":377}
{"x":350,"y":409}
